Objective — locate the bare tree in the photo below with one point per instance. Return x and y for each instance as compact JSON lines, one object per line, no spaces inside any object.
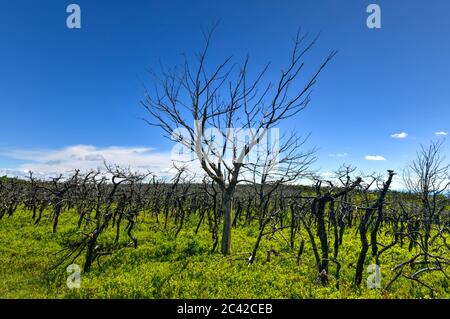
{"x":427,"y":177}
{"x":370,"y":210}
{"x":188,"y":99}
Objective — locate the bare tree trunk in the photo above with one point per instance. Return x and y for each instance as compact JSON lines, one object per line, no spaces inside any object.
{"x":90,"y":252}
{"x":227,"y":222}
{"x":258,"y":241}
{"x":364,"y":247}
{"x":56,"y":216}
{"x":318,"y":210}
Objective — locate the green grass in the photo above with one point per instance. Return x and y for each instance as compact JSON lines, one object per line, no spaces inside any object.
{"x":166,"y":267}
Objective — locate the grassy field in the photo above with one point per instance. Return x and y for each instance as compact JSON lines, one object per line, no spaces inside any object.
{"x":167,"y":267}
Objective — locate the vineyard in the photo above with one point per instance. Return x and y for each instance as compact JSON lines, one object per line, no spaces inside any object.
{"x":137,"y":235}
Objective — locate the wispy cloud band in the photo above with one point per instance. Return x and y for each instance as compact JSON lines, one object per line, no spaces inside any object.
{"x":86,"y":157}
{"x":338,"y":155}
{"x":374,"y":158}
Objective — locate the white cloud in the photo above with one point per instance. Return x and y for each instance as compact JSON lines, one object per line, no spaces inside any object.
{"x":338,"y":155}
{"x":327,"y":174}
{"x":374,"y":158}
{"x":400,"y":135}
{"x":441,"y":133}
{"x":87,"y":157}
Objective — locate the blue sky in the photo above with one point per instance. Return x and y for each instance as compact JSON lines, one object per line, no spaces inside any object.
{"x":69,"y":92}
